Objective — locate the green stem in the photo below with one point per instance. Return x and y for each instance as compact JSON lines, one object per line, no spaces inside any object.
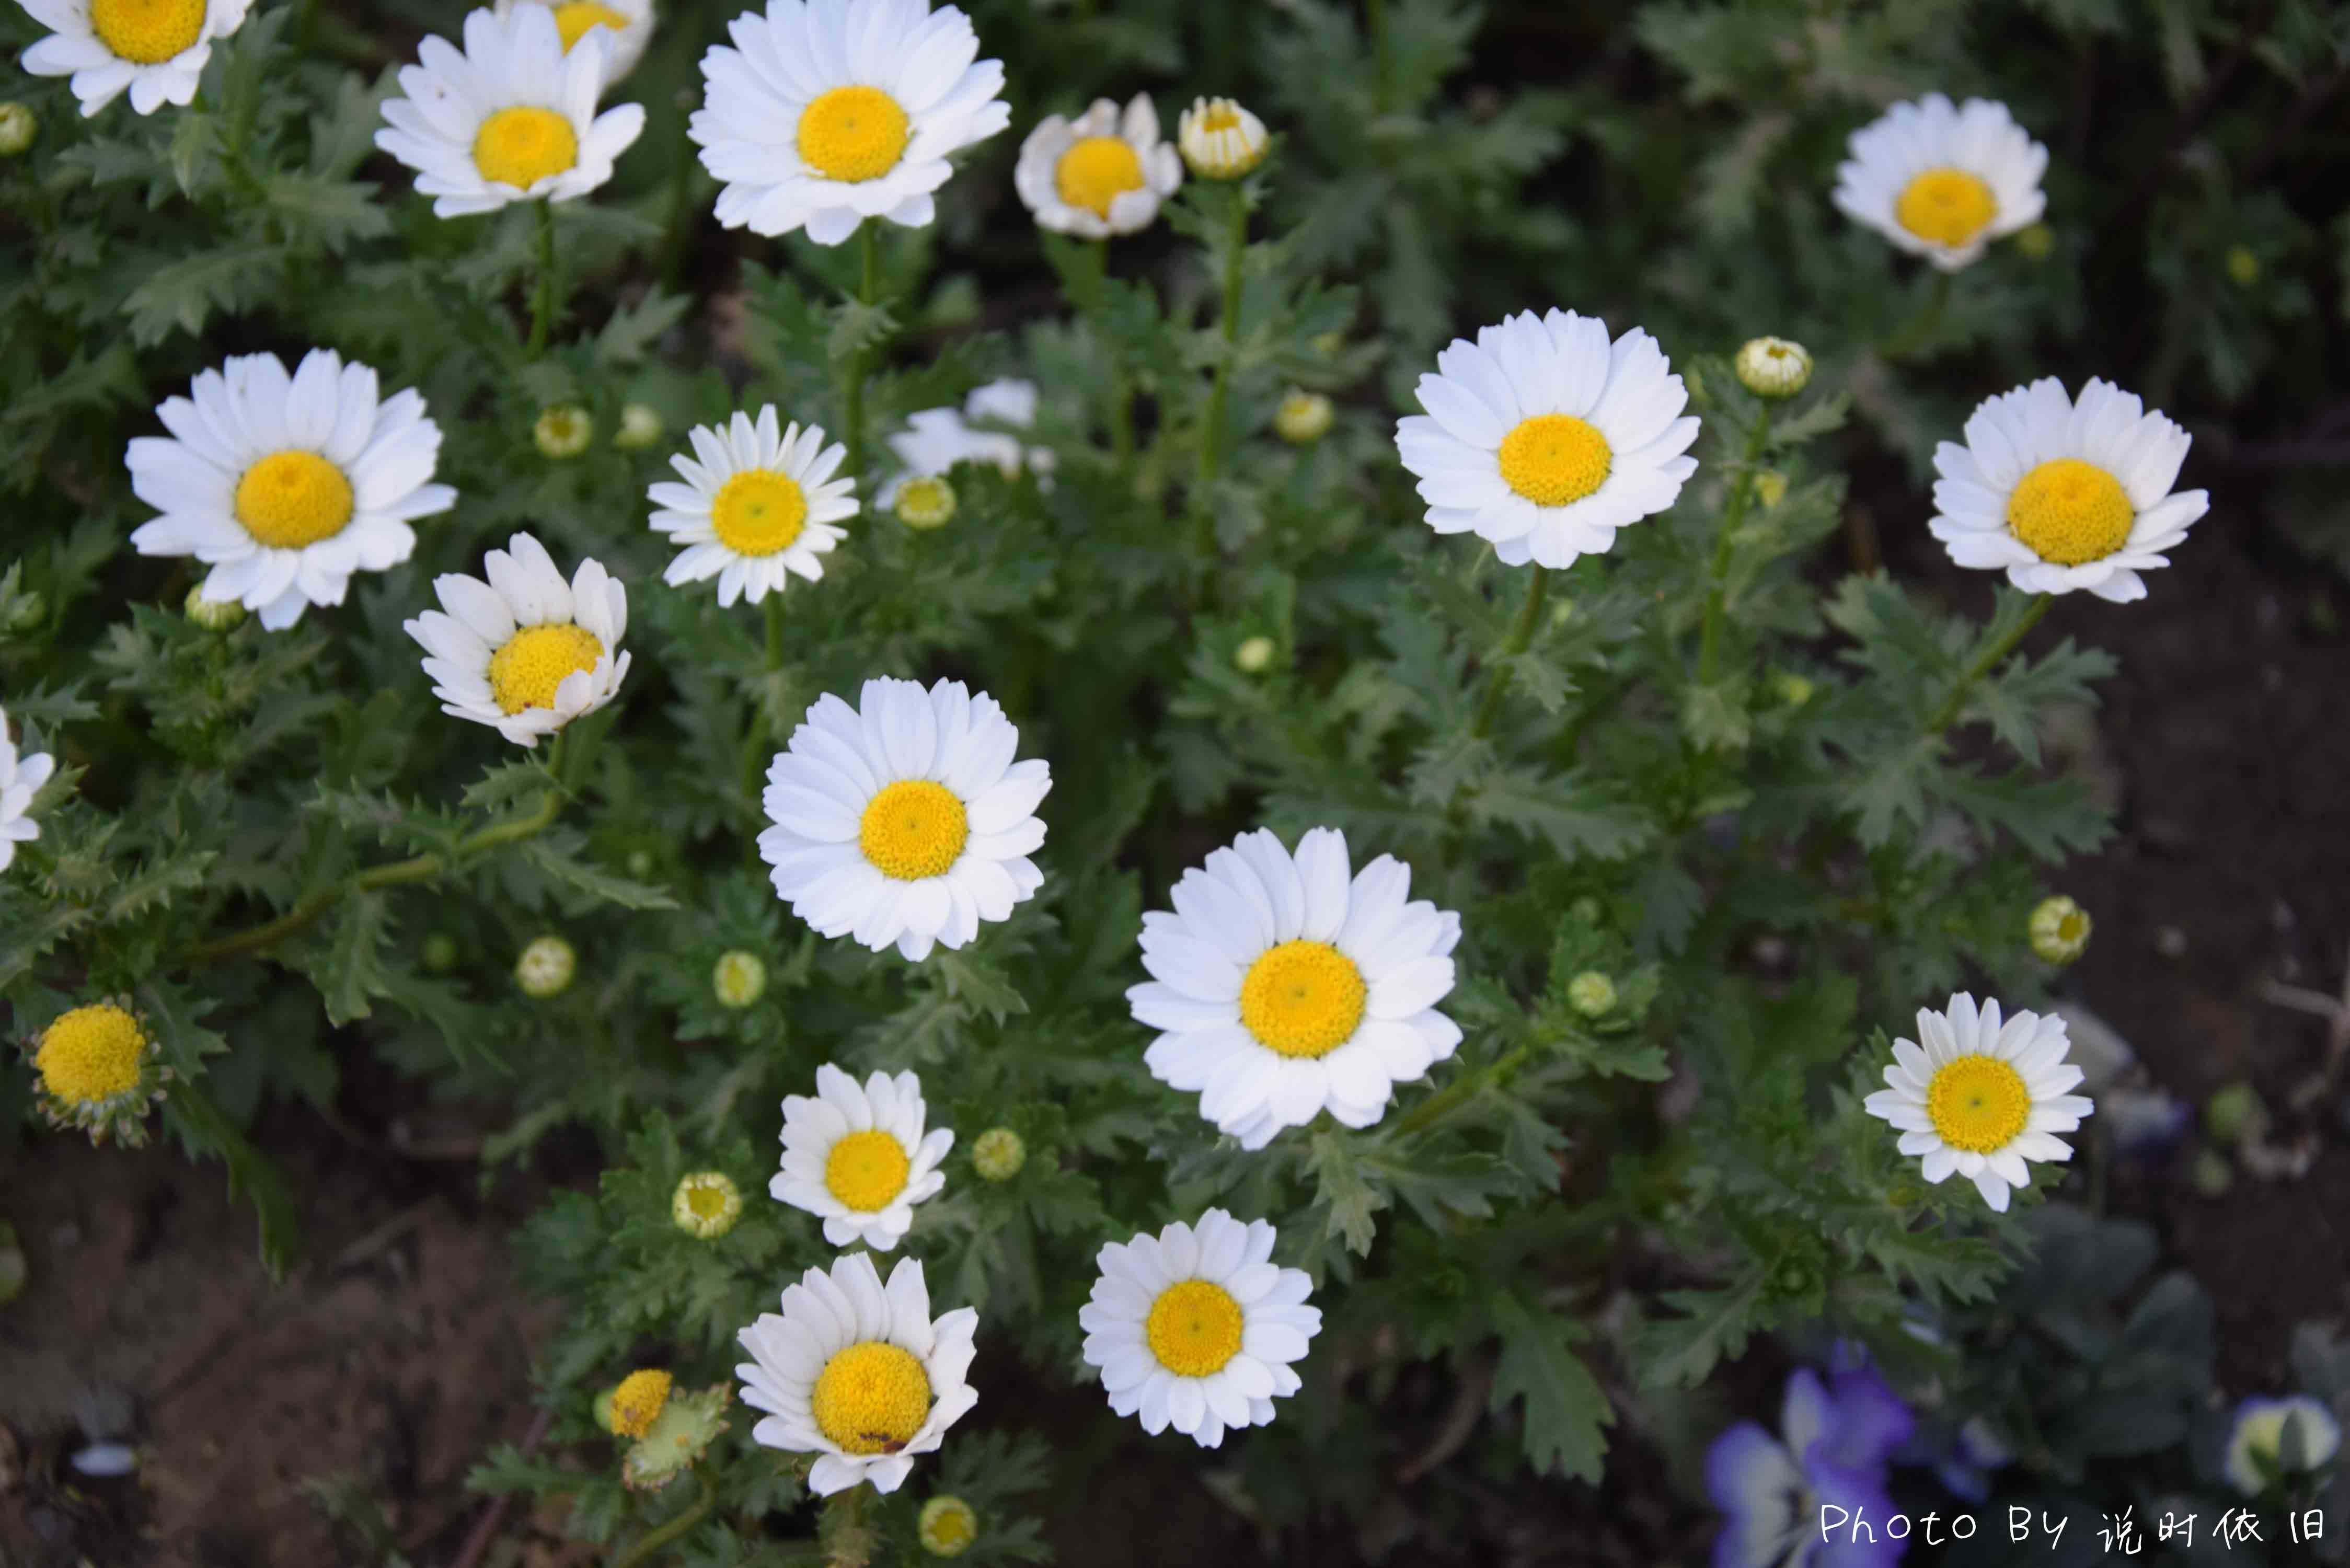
{"x":1733,"y":513}
{"x":653,"y":1541}
{"x":1121,"y":418}
{"x":1381,"y":75}
{"x":869,"y":292}
{"x":1211,"y":428}
{"x":542,"y":299}
{"x":1460,"y":1088}
{"x":1983,"y":664}
{"x":1924,"y":324}
{"x":1497,"y":683}
{"x":762,"y":727}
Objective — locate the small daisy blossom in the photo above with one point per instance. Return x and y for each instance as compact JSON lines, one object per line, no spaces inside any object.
{"x":935,"y":440}
{"x":1942,"y":183}
{"x":524,"y":652}
{"x":1283,"y":988}
{"x":857,"y":1373}
{"x":21,"y":778}
{"x":1100,"y":175}
{"x":758,"y":504}
{"x":857,"y":1157}
{"x":904,"y":819}
{"x":1196,"y":1328}
{"x":1545,"y":438}
{"x":285,"y":485}
{"x":2065,"y":495}
{"x":1980,"y":1097}
{"x":155,"y":49}
{"x":510,"y":118}
{"x":829,"y":112}
{"x":627,"y":26}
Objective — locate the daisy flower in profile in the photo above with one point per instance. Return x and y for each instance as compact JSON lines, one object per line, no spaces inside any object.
{"x":857,"y":1373}
{"x":285,"y":485}
{"x":1100,"y":175}
{"x":2065,"y":495}
{"x":1980,"y":1097}
{"x":21,"y":778}
{"x":828,"y":112}
{"x":627,"y":24}
{"x":155,"y":49}
{"x":1283,"y":988}
{"x":935,"y":440}
{"x":857,"y":1157}
{"x":904,"y":819}
{"x":510,"y":118}
{"x":758,"y":504}
{"x":1545,"y":438}
{"x":524,"y":652}
{"x":1196,"y":1328}
{"x":1942,"y":183}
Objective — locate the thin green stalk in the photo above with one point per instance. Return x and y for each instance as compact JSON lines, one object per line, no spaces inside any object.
{"x":1382,"y":72}
{"x":542,"y":299}
{"x":1521,"y":635}
{"x":1733,"y":513}
{"x":761,"y":727}
{"x":1921,"y":326}
{"x":869,"y":292}
{"x":1985,"y":662}
{"x":1439,"y":1103}
{"x":648,"y":1546}
{"x":1211,"y":428}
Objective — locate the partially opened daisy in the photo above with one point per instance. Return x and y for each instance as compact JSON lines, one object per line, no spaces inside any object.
{"x":758,"y":504}
{"x":524,"y":652}
{"x":904,"y":819}
{"x":857,"y":1373}
{"x":1980,"y":1097}
{"x":1100,"y":175}
{"x":936,"y":440}
{"x":1545,"y":438}
{"x":285,"y":485}
{"x":1283,"y":988}
{"x":1942,"y":183}
{"x":828,"y":112}
{"x":153,"y":49}
{"x":510,"y":118}
{"x":857,"y":1157}
{"x":627,"y":26}
{"x":1196,"y":1328}
{"x":21,"y":778}
{"x":2065,"y":495}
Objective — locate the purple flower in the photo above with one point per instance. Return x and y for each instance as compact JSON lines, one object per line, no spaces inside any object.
{"x":1782,"y":1495}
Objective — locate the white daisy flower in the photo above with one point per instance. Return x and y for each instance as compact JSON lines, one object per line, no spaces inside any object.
{"x":2065,"y":495}
{"x":857,"y":1373}
{"x":285,"y":485}
{"x":21,"y":778}
{"x":857,"y":1157}
{"x":1100,"y":175}
{"x":627,"y":26}
{"x":1284,"y":988}
{"x":1980,"y":1097}
{"x":828,"y":112}
{"x":1942,"y":183}
{"x":904,"y":819}
{"x":758,"y":504}
{"x":510,"y":117}
{"x":524,"y":652}
{"x":1545,"y":438}
{"x":935,"y":440}
{"x":155,"y":50}
{"x":1196,"y":1328}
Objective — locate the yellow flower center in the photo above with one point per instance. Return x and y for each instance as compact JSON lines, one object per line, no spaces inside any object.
{"x":1947,"y":206}
{"x":853,"y":134}
{"x":290,"y":499}
{"x":2070,"y":511}
{"x":864,"y":1170}
{"x":573,"y":17}
{"x":948,"y":1526}
{"x":706,"y":1199}
{"x":1554,"y":459}
{"x":522,"y":145}
{"x":525,"y":673}
{"x":759,"y":512}
{"x":147,"y":32}
{"x":1222,"y":115}
{"x":912,"y":829}
{"x":1195,"y":1328}
{"x":871,"y":1398}
{"x":1979,"y":1104}
{"x":637,"y":1402}
{"x":1302,"y":999}
{"x":92,"y":1055}
{"x":925,"y":502}
{"x":1097,"y":171}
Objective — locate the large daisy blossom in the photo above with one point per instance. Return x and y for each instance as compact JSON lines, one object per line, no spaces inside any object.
{"x":935,"y":440}
{"x":2065,"y":495}
{"x":1282,"y":988}
{"x":904,"y":819}
{"x":1100,"y":175}
{"x":758,"y":504}
{"x":857,"y":1373}
{"x":1980,"y":1097}
{"x":155,"y":49}
{"x":1545,"y":438}
{"x":21,"y":778}
{"x":524,"y":652}
{"x":510,"y":117}
{"x":855,"y":1155}
{"x":1942,"y":183}
{"x":627,"y":24}
{"x":1196,"y":1328}
{"x":827,"y":112}
{"x":285,"y":485}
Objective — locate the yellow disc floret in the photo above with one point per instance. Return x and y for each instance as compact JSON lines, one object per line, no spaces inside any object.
{"x":947,"y":1527}
{"x":866,"y":1171}
{"x":1302,"y":999}
{"x":92,"y":1055}
{"x":1195,"y":1328}
{"x":573,"y":17}
{"x":871,"y":1398}
{"x":853,"y":134}
{"x":759,"y":512}
{"x":2070,"y":511}
{"x":1097,"y":171}
{"x":147,"y":32}
{"x":637,"y":1402}
{"x":1978,"y":1103}
{"x":534,"y":661}
{"x":290,"y":499}
{"x":1946,"y":206}
{"x":1554,"y":459}
{"x":912,"y":829}
{"x":522,"y":145}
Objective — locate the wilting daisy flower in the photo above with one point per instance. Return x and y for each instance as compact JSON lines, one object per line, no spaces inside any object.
{"x":627,"y":27}
{"x":1196,"y":1328}
{"x":2065,"y":495}
{"x":857,"y":1157}
{"x":828,"y":113}
{"x":904,"y":819}
{"x":935,"y":440}
{"x":758,"y":504}
{"x":285,"y":485}
{"x":155,"y":49}
{"x":21,"y":778}
{"x":2256,"y":1456}
{"x":1545,"y":438}
{"x":1942,"y":183}
{"x":1100,"y":175}
{"x":857,"y":1373}
{"x":524,"y":652}
{"x":1830,"y":1451}
{"x":1980,"y":1097}
{"x":98,"y":1070}
{"x":1282,"y":988}
{"x":510,"y":117}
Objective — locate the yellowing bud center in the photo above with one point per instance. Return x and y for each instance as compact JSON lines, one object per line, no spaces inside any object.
{"x":871,"y":1398}
{"x":853,"y":134}
{"x":147,"y":32}
{"x":2070,"y":511}
{"x":912,"y":829}
{"x":1553,"y":459}
{"x":1302,"y":999}
{"x":637,"y":1402}
{"x":1195,"y":1328}
{"x":866,"y":1171}
{"x":1946,"y":206}
{"x":1097,"y":171}
{"x":92,"y":1055}
{"x":525,"y":673}
{"x":522,"y":145}
{"x":759,"y":512}
{"x":573,"y":17}
{"x":290,"y":499}
{"x":1979,"y":1104}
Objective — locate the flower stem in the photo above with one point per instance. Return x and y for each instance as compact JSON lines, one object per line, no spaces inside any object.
{"x":1441,"y":1102}
{"x":1733,"y":513}
{"x":761,"y":728}
{"x":1375,"y":15}
{"x":1497,"y":682}
{"x":868,"y":291}
{"x":1211,"y":428}
{"x":542,"y":300}
{"x":1924,"y":324}
{"x":649,"y":1544}
{"x":1984,"y":663}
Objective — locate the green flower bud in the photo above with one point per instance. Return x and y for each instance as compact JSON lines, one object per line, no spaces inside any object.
{"x":2244,"y":267}
{"x":2059,"y":929}
{"x":640,"y":426}
{"x":925,"y":501}
{"x":440,"y":954}
{"x":998,"y":1154}
{"x":1591,"y":993}
{"x":1770,"y":488}
{"x":563,"y":430}
{"x":545,"y":967}
{"x":1254,"y":655}
{"x":19,"y":127}
{"x":212,"y":615}
{"x":948,"y":1527}
{"x":739,"y":979}
{"x":706,"y":1204}
{"x":2234,"y":1113}
{"x":1303,"y":417}
{"x":1772,"y":367}
{"x":1794,"y":690}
